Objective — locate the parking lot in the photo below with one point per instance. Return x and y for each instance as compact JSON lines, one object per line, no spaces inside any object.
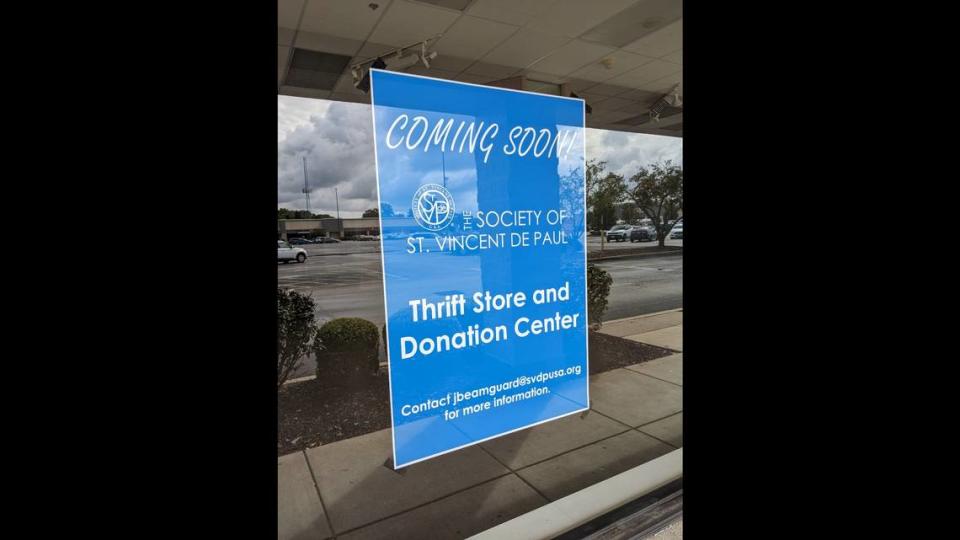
{"x":345,"y":280}
{"x":593,"y":244}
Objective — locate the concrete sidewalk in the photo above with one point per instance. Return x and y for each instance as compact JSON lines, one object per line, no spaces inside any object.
{"x":343,"y":490}
{"x":663,"y":329}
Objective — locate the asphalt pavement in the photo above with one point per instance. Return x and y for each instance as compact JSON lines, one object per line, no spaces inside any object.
{"x":593,"y":244}
{"x":346,"y":280}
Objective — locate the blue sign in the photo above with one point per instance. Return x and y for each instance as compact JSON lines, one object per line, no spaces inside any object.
{"x":482,"y":215}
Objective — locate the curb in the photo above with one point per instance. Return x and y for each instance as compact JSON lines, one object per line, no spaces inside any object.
{"x":667,"y":252}
{"x":654,"y":314}
{"x":300,"y":379}
{"x":640,"y":255}
{"x":341,"y":254}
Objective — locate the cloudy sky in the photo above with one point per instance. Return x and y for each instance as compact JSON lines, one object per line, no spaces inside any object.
{"x":336,"y":139}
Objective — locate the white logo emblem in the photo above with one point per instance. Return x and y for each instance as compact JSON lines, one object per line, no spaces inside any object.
{"x":433,"y":207}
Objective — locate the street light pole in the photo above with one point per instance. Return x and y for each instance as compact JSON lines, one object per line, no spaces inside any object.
{"x":602,"y":236}
{"x":443,"y":161}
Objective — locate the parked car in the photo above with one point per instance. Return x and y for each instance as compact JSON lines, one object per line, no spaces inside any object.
{"x":287,"y":253}
{"x":425,"y":235}
{"x":619,"y":233}
{"x":300,"y":241}
{"x":325,"y":240}
{"x":677,"y":231}
{"x":642,"y":234}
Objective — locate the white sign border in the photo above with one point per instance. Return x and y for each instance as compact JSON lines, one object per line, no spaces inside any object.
{"x":586,"y":296}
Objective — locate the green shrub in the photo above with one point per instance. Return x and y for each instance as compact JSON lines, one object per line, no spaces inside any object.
{"x":386,"y":345}
{"x":598,"y":289}
{"x":350,"y":345}
{"x":349,"y":334}
{"x":295,"y":331}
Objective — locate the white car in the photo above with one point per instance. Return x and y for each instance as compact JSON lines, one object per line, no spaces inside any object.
{"x":677,"y":231}
{"x":287,"y":253}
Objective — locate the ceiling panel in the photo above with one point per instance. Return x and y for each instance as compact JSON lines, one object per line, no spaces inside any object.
{"x":640,"y":95}
{"x":579,"y":85}
{"x":550,"y":42}
{"x":571,"y":57}
{"x":283,"y":56}
{"x":612,"y":104}
{"x":676,"y":58}
{"x":341,"y":18}
{"x":635,"y":107}
{"x":350,"y":98}
{"x":544,"y":77}
{"x":663,"y":85}
{"x":430,"y":72}
{"x":458,"y":5}
{"x":470,"y":78}
{"x":288,"y":13}
{"x":495,"y":71}
{"x":660,"y":43}
{"x":571,"y":18}
{"x":620,"y":63}
{"x":285,"y":36}
{"x":405,"y":23}
{"x":314,"y":69}
{"x":592,"y":99}
{"x":450,"y":63}
{"x":326,"y":43}
{"x":509,"y":11}
{"x":607,"y":90}
{"x":635,"y":22}
{"x":471,"y":38}
{"x":650,"y":72}
{"x":607,"y":117}
{"x":524,"y":48}
{"x":373,"y":50}
{"x":304,"y":92}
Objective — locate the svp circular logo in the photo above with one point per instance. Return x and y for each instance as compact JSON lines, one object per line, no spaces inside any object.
{"x":433,"y":207}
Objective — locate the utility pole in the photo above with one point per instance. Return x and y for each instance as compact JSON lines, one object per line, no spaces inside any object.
{"x":336,"y":195}
{"x":306,"y":186}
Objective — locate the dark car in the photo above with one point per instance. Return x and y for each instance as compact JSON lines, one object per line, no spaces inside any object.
{"x":299,"y":241}
{"x":326,"y":240}
{"x":642,"y":234}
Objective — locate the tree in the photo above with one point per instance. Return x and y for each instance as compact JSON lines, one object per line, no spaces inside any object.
{"x":371,"y":212}
{"x":604,"y":189}
{"x":296,"y":331}
{"x":386,"y":209}
{"x":286,"y":213}
{"x":657,"y":191}
{"x":628,"y":212}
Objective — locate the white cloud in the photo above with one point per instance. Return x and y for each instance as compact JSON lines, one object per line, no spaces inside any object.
{"x":626,"y":152}
{"x":293,"y":112}
{"x":336,"y":141}
{"x":336,"y":138}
